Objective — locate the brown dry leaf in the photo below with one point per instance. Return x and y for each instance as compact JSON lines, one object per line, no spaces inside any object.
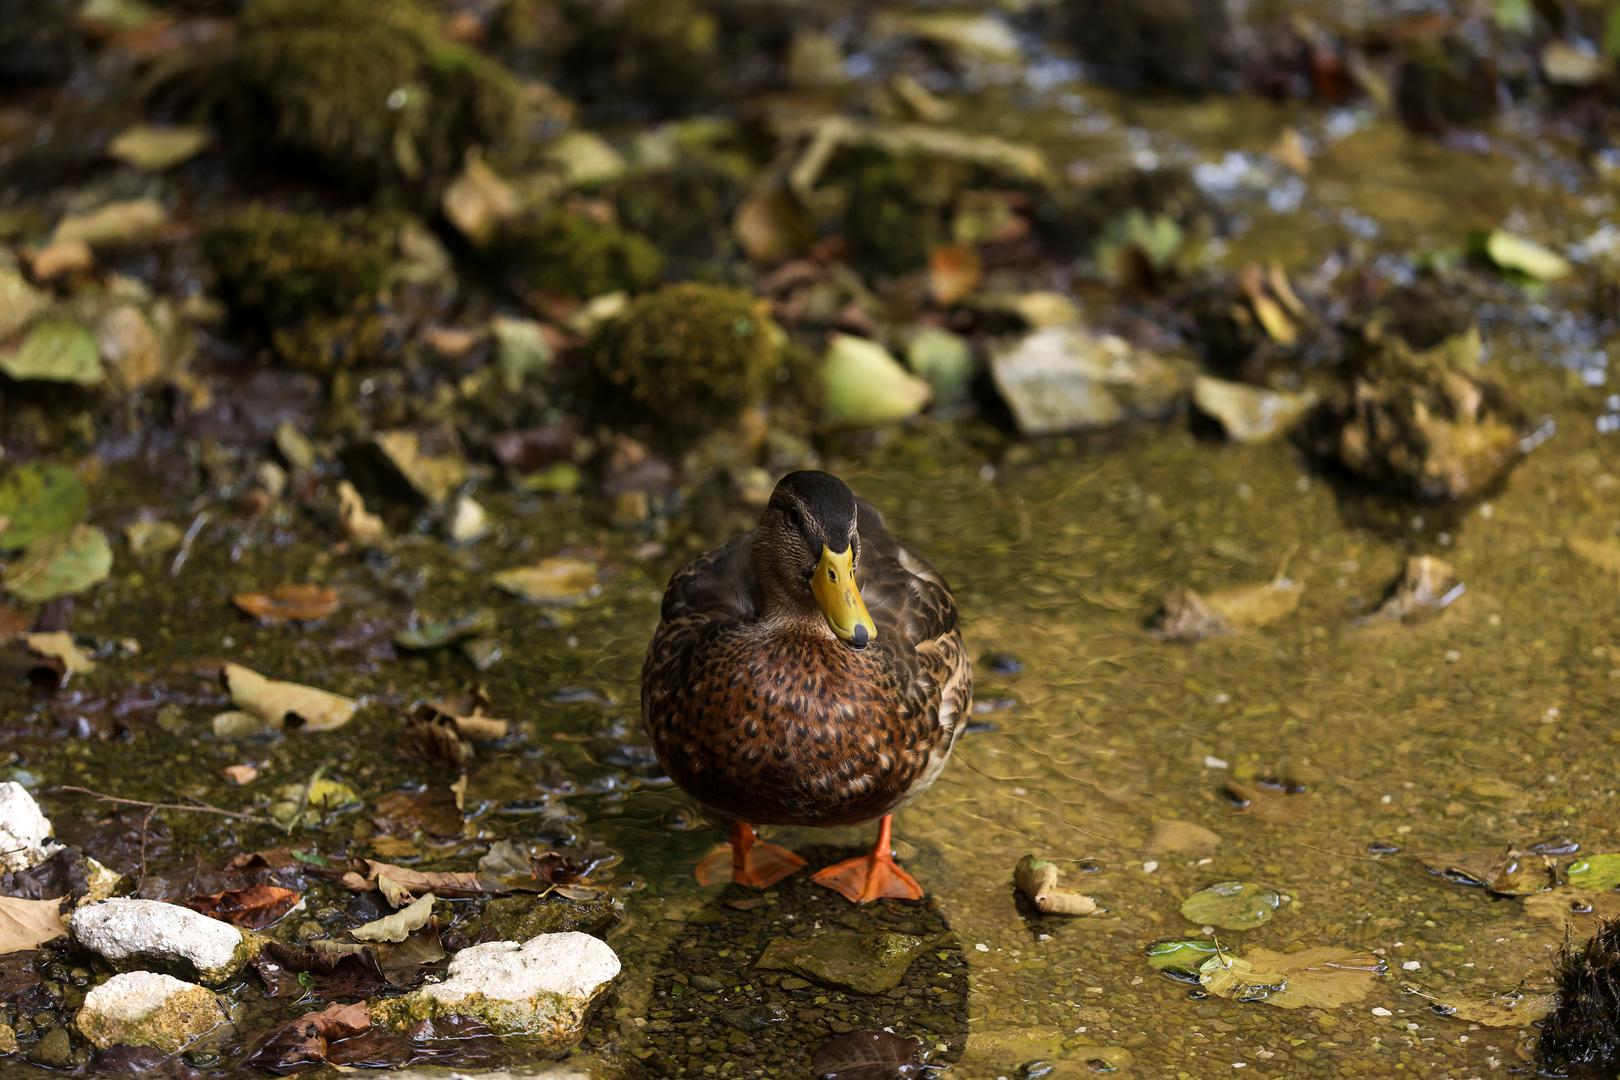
{"x":284,"y":705}
{"x":1514,"y":1008}
{"x":1321,"y":978}
{"x":28,"y":924}
{"x":1038,"y":880}
{"x":359,"y":524}
{"x":400,"y":925}
{"x":59,"y":645}
{"x":400,"y":884}
{"x":241,"y":774}
{"x":62,"y":260}
{"x":1173,"y":837}
{"x":771,"y":227}
{"x":433,"y":735}
{"x":308,"y":1040}
{"x":954,"y":272}
{"x":289,"y":603}
{"x":254,"y":907}
{"x":1290,"y":150}
{"x":1505,"y":872}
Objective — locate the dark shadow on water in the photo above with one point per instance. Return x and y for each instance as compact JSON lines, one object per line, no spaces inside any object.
{"x":710,"y":1005}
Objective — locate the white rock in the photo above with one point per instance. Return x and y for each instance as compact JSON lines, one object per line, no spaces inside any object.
{"x":130,"y":933}
{"x":143,"y":1008}
{"x":543,"y":988}
{"x":25,"y":833}
{"x":1067,"y":378}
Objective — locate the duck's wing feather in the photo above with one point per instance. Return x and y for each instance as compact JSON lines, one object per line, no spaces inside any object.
{"x":907,"y":597}
{"x":719,"y":584}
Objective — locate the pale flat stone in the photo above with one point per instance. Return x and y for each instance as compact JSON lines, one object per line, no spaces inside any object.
{"x":130,"y":933}
{"x":144,"y":1008}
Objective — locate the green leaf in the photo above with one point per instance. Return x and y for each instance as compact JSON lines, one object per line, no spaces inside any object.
{"x":55,"y":350}
{"x":1515,"y":253}
{"x":60,"y":565}
{"x":1181,"y":954}
{"x":865,"y":386}
{"x":38,"y":499}
{"x":1594,"y":872}
{"x":1232,"y":905}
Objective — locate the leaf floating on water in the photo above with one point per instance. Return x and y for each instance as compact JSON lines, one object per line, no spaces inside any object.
{"x":39,"y":499}
{"x":551,"y":581}
{"x":1515,"y":1008}
{"x":1184,"y":955}
{"x":401,"y":924}
{"x":289,"y":603}
{"x":1515,"y":253}
{"x":1505,"y":873}
{"x":309,"y":1040}
{"x":1038,"y":880}
{"x":1320,"y":978}
{"x":1272,"y":801}
{"x":1232,"y":905}
{"x":1593,"y":872}
{"x":868,"y":1055}
{"x":55,"y":350}
{"x":283,"y":705}
{"x":28,"y":924}
{"x":61,"y":565}
{"x":1182,"y":837}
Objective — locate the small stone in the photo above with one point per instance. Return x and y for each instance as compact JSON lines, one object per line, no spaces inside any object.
{"x":1070,"y":379}
{"x":54,"y":1051}
{"x":1379,"y":1010}
{"x":846,"y":959}
{"x":8,"y":1040}
{"x":144,"y":1008}
{"x":130,"y":933}
{"x":544,"y":988}
{"x":25,"y":832}
{"x":467,"y":521}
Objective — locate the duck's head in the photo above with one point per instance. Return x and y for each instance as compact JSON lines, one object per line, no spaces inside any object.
{"x":805,"y":553}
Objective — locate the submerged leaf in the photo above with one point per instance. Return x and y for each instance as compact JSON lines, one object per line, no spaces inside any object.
{"x":1514,"y":1008}
{"x":1186,"y":955}
{"x":1232,"y":905}
{"x":61,"y":565}
{"x":283,"y":705}
{"x":1504,"y":872}
{"x":1593,"y":872}
{"x":55,"y":350}
{"x":254,"y":907}
{"x":1320,"y":978}
{"x":38,"y":499}
{"x":868,"y":1055}
{"x":551,"y":581}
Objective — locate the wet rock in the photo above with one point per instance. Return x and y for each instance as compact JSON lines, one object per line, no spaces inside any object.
{"x":519,"y":918}
{"x":130,"y":934}
{"x":144,"y":1008}
{"x":54,"y":1050}
{"x":1423,"y":425}
{"x":1427,"y":587}
{"x":543,"y":989}
{"x":1070,"y":379}
{"x":846,"y":959}
{"x":8,"y":1040}
{"x":25,"y":832}
{"x":428,"y":464}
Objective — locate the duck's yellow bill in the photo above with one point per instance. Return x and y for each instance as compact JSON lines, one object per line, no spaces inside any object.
{"x":833,"y":585}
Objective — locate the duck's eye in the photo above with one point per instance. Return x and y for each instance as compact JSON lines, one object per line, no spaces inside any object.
{"x":793,"y":517}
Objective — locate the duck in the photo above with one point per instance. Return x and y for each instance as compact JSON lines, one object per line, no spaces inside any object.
{"x":810,"y":672}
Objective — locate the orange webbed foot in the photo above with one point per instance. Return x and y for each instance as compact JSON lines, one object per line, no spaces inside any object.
{"x":747,"y":861}
{"x":871,"y":877}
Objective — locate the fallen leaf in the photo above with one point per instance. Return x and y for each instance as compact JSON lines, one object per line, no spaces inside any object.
{"x":1514,"y":1008}
{"x":1038,"y":880}
{"x":240,"y":774}
{"x":1276,"y":802}
{"x":1189,"y":616}
{"x":478,"y":201}
{"x":1319,"y":978}
{"x":1593,"y":872}
{"x":60,"y":565}
{"x":54,"y":261}
{"x":1603,"y":554}
{"x":399,"y":925}
{"x":1515,"y":253}
{"x":868,"y":1055}
{"x":1426,"y":587}
{"x":60,"y":645}
{"x":55,"y":350}
{"x":28,"y":924}
{"x":1182,"y":838}
{"x":400,"y":884}
{"x":1505,"y":872}
{"x":113,"y":223}
{"x":309,"y":803}
{"x":1249,"y":414}
{"x":254,"y":907}
{"x":289,"y":603}
{"x":285,"y":705}
{"x":551,"y":581}
{"x":309,"y":1040}
{"x":1232,"y":905}
{"x":1181,"y":955}
{"x":39,"y":499}
{"x":953,"y":273}
{"x":771,"y":227}
{"x":1578,"y":912}
{"x":145,"y":536}
{"x":439,"y":633}
{"x":157,"y":148}
{"x":863,"y":385}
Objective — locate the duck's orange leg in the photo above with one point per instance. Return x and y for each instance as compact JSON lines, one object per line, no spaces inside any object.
{"x":747,"y":860}
{"x":871,"y":877}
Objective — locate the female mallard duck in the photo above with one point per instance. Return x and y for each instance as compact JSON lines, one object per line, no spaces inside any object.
{"x":777,"y":692}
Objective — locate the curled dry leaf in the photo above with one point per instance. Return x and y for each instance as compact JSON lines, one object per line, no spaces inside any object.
{"x":308,"y":1041}
{"x":400,"y":884}
{"x":254,"y":907}
{"x":28,"y":924}
{"x":399,"y":925}
{"x":288,"y":603}
{"x":283,"y":705}
{"x":1038,"y":880}
{"x":1319,"y":978}
{"x":868,"y":1055}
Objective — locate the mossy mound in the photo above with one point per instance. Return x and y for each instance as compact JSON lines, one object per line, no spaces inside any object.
{"x":311,"y":285}
{"x":686,"y":209}
{"x":371,"y":91}
{"x":684,"y":360}
{"x":571,"y":254}
{"x":663,"y":53}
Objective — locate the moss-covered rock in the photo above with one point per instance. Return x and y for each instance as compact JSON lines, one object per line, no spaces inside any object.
{"x":144,"y":1008}
{"x":371,"y":91}
{"x":572,"y":254}
{"x":310,"y":284}
{"x":519,"y":918}
{"x":684,"y":360}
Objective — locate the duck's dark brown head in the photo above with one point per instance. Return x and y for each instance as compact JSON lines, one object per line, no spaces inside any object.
{"x":805,"y":553}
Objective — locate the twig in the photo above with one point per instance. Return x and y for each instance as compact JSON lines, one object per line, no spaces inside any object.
{"x":197,"y":808}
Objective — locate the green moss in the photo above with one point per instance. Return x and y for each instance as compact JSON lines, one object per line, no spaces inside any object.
{"x":371,"y":91}
{"x":573,"y":255}
{"x":896,"y":209}
{"x":663,"y":52}
{"x":685,"y":360}
{"x":686,"y":210}
{"x":309,"y":284}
